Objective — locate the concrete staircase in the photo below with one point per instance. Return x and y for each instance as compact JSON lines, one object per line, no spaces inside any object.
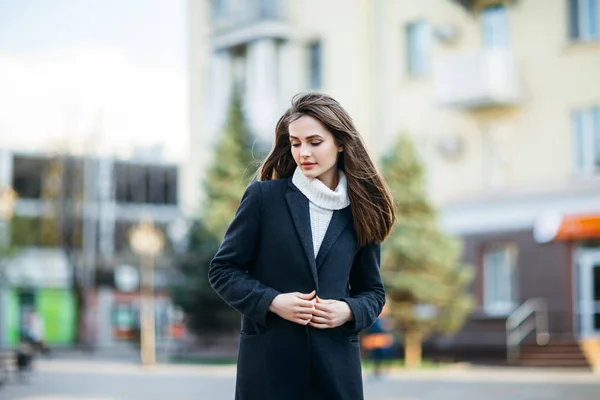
{"x":564,"y":352}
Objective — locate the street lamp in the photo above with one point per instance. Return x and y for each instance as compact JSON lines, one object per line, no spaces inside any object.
{"x":8,"y":200}
{"x":147,"y":241}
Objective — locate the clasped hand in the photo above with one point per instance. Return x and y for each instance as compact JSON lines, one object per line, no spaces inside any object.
{"x":308,"y":309}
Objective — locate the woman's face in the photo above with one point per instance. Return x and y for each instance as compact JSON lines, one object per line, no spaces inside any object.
{"x":314,"y":148}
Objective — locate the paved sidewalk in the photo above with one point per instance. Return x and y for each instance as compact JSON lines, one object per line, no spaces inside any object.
{"x":453,"y":373}
{"x":80,"y":379}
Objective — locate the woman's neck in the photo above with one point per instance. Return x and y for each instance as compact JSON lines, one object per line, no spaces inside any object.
{"x":318,"y":193}
{"x":330,"y":178}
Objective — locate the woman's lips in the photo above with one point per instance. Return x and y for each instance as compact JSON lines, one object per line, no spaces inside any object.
{"x":308,"y":165}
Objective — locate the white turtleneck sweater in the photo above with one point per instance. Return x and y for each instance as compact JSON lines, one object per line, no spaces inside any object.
{"x":322,"y":202}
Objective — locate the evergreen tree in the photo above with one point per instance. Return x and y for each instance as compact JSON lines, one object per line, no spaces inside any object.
{"x":205,"y":311}
{"x":421,"y":266}
{"x":230,"y":173}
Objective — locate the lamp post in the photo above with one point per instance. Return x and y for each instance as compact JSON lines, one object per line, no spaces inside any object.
{"x":8,"y":200}
{"x":147,"y":241}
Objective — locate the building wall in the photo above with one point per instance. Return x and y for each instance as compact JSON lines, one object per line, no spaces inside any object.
{"x":364,"y":67}
{"x":534,"y":137}
{"x":541,"y":272}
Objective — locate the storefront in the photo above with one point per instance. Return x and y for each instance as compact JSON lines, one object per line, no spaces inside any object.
{"x":39,"y":280}
{"x":583,"y":232}
{"x":114,"y":313}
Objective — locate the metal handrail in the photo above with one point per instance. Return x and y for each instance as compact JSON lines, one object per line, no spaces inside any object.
{"x":516,"y":330}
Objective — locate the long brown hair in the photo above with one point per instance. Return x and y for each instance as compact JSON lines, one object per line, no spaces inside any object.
{"x":372,"y":205}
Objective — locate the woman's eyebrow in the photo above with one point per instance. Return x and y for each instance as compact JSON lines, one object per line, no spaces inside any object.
{"x":308,"y":137}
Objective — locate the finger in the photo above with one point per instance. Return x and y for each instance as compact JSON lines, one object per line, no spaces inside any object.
{"x":303,"y":316}
{"x":318,"y":326}
{"x":323,"y":301}
{"x":320,"y":313}
{"x":323,"y":307}
{"x":302,"y":321}
{"x":305,"y":304}
{"x":319,"y":320}
{"x":307,"y":296}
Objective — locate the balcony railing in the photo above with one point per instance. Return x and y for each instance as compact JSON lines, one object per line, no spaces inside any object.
{"x":248,"y":21}
{"x":247,"y":13}
{"x":486,"y":78}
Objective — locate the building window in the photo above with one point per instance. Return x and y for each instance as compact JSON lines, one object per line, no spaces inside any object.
{"x":137,"y":184}
{"x":144,"y":184}
{"x":157,"y":189}
{"x":270,"y":9}
{"x":171,"y":175}
{"x":315,"y":65}
{"x":586,"y":140}
{"x":418,"y":48}
{"x":495,"y":27}
{"x":27,"y":176}
{"x":584,"y":17}
{"x":219,"y":8}
{"x":121,"y":183}
{"x":499,"y":288}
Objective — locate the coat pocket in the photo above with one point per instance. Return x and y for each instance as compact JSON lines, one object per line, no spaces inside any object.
{"x":354,"y":340}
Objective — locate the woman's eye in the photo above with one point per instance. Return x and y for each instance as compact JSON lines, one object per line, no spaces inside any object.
{"x":295,"y":144}
{"x":316,"y":143}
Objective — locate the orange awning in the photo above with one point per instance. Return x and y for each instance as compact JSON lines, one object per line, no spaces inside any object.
{"x":579,"y":226}
{"x":554,"y":226}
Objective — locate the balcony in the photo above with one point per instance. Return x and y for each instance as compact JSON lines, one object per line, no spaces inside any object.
{"x":483,"y":79}
{"x":473,"y":5}
{"x":247,"y":21}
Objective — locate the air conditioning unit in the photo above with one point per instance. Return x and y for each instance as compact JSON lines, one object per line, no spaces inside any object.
{"x":450,"y":147}
{"x":446,"y":33}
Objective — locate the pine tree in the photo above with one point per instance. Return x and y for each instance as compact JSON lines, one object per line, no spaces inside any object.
{"x":231,"y":171}
{"x":205,"y":311}
{"x":227,"y":179}
{"x":421,"y":266}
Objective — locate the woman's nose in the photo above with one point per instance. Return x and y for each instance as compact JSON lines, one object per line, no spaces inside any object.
{"x":304,"y":151}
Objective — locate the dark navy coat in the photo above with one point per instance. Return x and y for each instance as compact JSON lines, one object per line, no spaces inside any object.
{"x":268,"y":250}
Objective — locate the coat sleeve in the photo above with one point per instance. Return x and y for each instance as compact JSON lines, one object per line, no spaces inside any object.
{"x":367,"y":295}
{"x":228,"y":272}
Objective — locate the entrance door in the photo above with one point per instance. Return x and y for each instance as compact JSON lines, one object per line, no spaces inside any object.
{"x":589,"y":293}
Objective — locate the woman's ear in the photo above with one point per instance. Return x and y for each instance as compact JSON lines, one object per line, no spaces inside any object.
{"x":340,"y":149}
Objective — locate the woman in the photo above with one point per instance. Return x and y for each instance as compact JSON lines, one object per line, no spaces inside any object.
{"x":300,"y":261}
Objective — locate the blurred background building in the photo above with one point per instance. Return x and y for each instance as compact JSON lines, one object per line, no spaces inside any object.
{"x":71,"y":223}
{"x":502,"y":99}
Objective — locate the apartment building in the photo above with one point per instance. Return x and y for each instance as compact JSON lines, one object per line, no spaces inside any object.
{"x":502,"y":99}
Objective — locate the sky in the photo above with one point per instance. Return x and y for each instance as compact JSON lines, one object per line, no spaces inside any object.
{"x":104,"y":74}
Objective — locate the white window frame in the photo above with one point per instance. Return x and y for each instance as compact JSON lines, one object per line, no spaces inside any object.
{"x":492,"y":304}
{"x":418,"y":48}
{"x":584,"y":16}
{"x":586,"y":140}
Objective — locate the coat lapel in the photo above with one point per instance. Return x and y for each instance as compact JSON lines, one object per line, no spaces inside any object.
{"x":339,"y":220}
{"x":300,"y":211}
